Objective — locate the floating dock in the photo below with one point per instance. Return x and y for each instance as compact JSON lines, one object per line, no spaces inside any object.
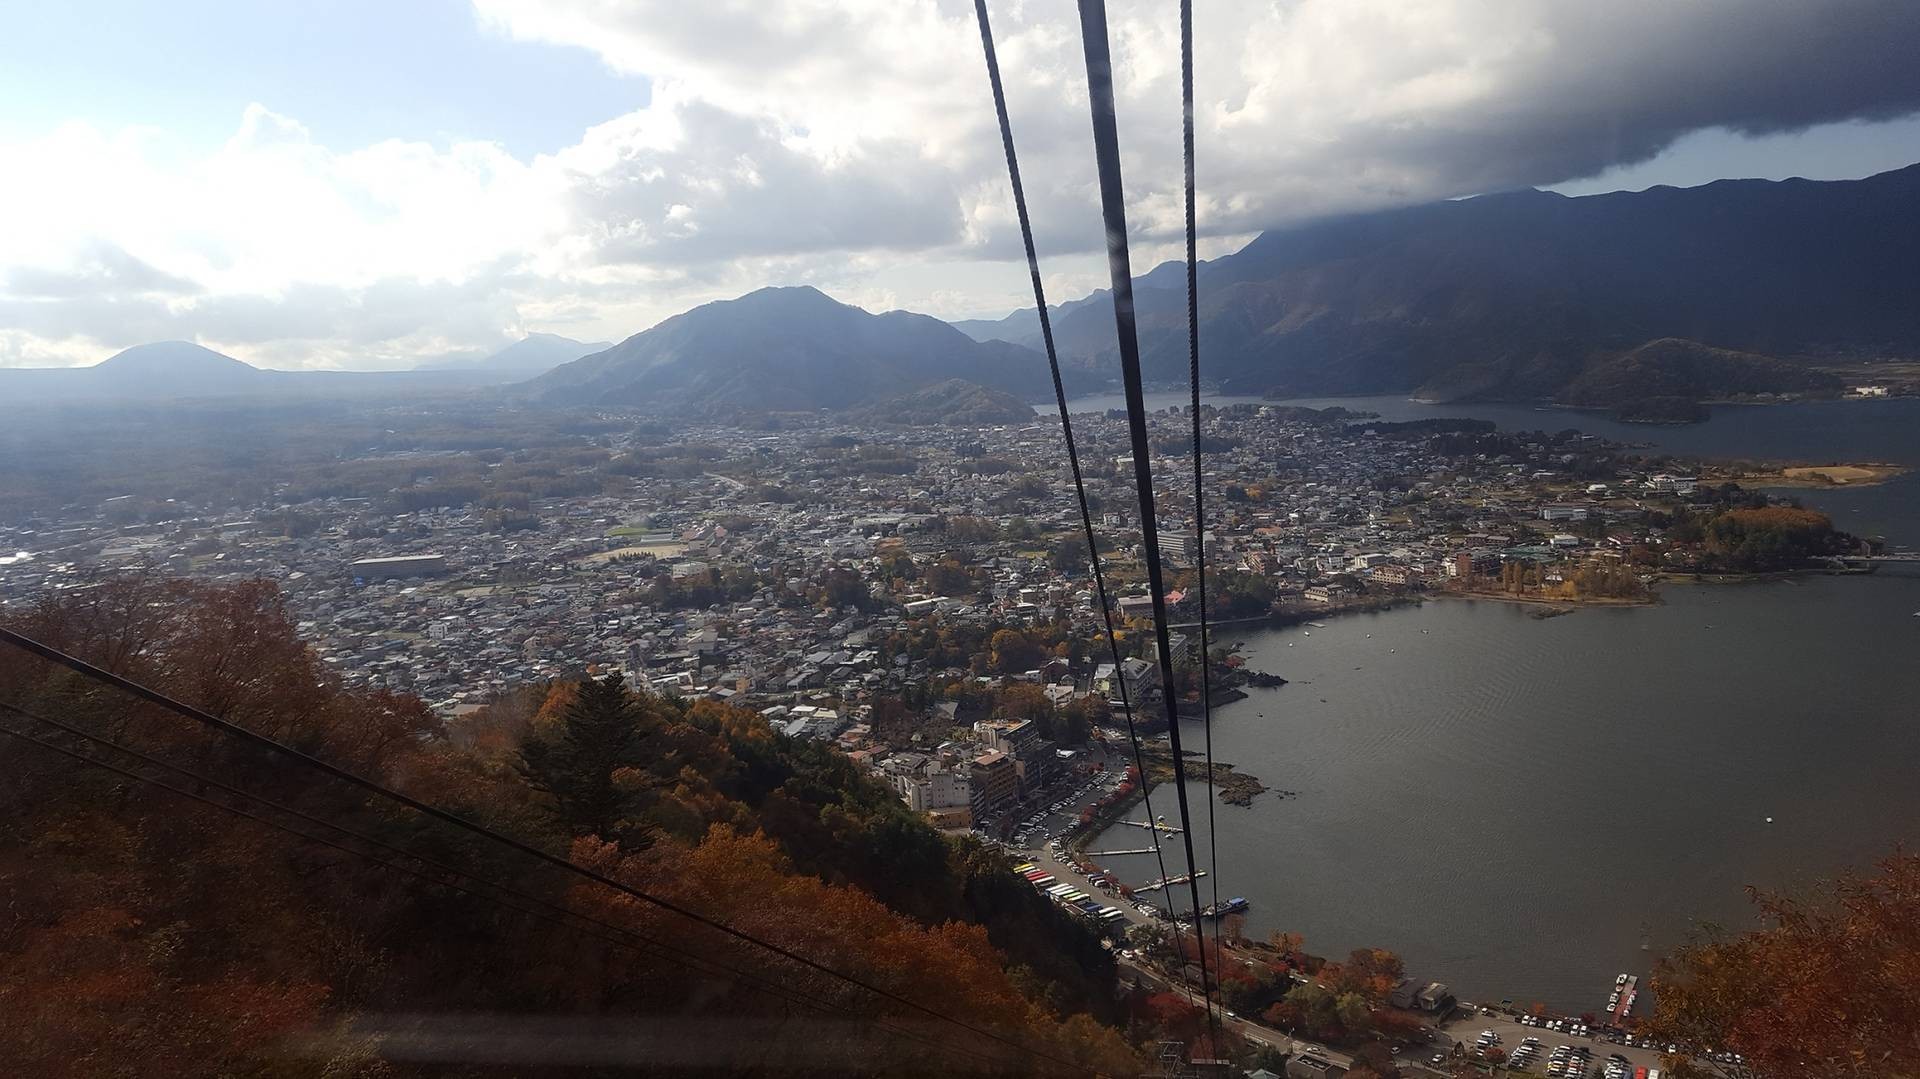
{"x":1626,"y":988}
{"x":1165,"y":828}
{"x":1154,"y":886}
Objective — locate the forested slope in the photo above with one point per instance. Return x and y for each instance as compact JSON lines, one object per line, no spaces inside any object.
{"x":149,"y":934}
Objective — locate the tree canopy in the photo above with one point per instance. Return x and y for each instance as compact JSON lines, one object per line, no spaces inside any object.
{"x":1828,"y":985}
{"x":151,"y":934}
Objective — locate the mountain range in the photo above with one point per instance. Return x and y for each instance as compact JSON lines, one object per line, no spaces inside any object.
{"x":162,"y":370}
{"x":1645,"y":302}
{"x":1529,"y":295}
{"x":171,"y":370}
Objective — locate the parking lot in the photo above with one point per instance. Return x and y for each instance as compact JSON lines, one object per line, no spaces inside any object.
{"x":1586,"y":1055}
{"x":1053,"y":812}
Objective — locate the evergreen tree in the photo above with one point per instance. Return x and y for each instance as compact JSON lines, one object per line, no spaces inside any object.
{"x":579,"y":768}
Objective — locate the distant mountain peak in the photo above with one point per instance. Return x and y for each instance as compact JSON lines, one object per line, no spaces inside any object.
{"x":531,"y":355}
{"x":786,"y":348}
{"x":177,"y":357}
{"x":800,"y":297}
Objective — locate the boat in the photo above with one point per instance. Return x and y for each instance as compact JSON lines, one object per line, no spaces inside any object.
{"x":1220,"y":910}
{"x":1626,"y":988}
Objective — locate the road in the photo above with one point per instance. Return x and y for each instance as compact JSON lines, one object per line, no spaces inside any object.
{"x":1257,"y":1033}
{"x":1413,"y":1060}
{"x":1254,"y":1032}
{"x":1511,"y":1031}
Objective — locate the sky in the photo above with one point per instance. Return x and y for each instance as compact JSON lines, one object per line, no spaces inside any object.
{"x":362,"y":184}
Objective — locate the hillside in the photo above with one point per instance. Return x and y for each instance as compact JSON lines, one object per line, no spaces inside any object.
{"x":953,"y":402}
{"x":1021,"y":328}
{"x":1674,"y":369}
{"x":785,"y":349}
{"x":154,"y":935}
{"x":1515,"y":296}
{"x":173,"y":359}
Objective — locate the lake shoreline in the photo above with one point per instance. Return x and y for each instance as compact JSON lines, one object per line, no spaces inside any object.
{"x":1514,"y":807}
{"x":1828,"y":477}
{"x":1550,"y":601}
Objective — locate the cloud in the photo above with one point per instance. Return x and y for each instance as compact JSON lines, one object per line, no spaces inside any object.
{"x":1302,"y":109}
{"x":100,"y":268}
{"x":723,"y":186}
{"x":851,"y":143}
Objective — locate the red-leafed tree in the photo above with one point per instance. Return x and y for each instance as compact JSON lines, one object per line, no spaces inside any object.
{"x":1829,"y":985}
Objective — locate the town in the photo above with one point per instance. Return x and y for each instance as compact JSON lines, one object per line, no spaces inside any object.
{"x":919,"y":596}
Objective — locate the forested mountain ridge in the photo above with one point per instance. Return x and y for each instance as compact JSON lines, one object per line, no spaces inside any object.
{"x":1519,"y":295}
{"x":150,"y":934}
{"x":955,"y":402}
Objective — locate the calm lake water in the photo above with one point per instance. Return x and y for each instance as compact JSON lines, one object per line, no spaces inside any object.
{"x":1525,"y":807}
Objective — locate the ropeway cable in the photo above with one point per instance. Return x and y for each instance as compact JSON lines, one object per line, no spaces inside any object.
{"x":1199,"y":503}
{"x":88,"y":670}
{"x":1106,"y":147}
{"x":560,"y":915}
{"x":1073,"y":454}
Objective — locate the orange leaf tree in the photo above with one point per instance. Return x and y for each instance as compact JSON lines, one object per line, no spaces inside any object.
{"x":1827,"y":986}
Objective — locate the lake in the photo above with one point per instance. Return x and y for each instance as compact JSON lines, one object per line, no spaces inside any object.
{"x":1525,"y":807}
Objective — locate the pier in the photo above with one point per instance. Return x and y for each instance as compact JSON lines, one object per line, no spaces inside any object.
{"x":1154,"y":886}
{"x":1111,"y":853}
{"x":1167,"y":828}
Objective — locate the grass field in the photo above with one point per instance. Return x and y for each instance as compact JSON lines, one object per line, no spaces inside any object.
{"x":1841,"y":473}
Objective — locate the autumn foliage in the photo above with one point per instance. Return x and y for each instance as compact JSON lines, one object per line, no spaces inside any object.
{"x":1828,"y":986}
{"x":1768,"y":537}
{"x":145,"y":933}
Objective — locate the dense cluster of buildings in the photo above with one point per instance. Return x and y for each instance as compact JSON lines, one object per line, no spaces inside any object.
{"x":1321,"y":509}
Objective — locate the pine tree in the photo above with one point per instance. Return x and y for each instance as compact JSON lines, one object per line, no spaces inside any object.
{"x":599,"y":736}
